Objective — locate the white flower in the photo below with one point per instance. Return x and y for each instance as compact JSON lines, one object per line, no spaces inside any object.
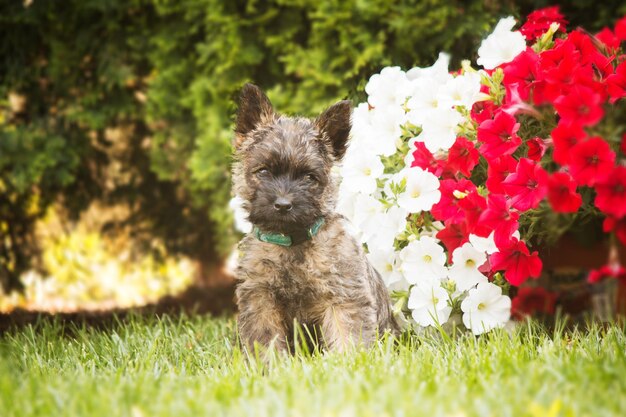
{"x":484,"y":244}
{"x":464,"y":270}
{"x":376,"y":130}
{"x":421,"y":192}
{"x":438,"y":71}
{"x":361,"y":125}
{"x":386,"y":262}
{"x":360,"y":171}
{"x":485,"y":308}
{"x":387,"y":89}
{"x":346,"y":201}
{"x":502,"y":46}
{"x":366,"y":209}
{"x":383,"y":227}
{"x":429,"y":304}
{"x":439,"y":129}
{"x":385,"y":130}
{"x":423,"y":260}
{"x":240,"y":214}
{"x":463,"y":90}
{"x":424,"y":100}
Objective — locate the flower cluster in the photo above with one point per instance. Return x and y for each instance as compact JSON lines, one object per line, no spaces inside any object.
{"x":447,"y":172}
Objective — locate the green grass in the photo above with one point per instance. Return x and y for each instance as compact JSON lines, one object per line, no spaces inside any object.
{"x":192,"y":367}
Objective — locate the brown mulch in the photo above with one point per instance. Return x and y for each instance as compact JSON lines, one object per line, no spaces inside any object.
{"x":196,"y":300}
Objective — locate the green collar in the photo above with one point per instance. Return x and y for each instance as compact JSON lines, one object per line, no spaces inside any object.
{"x":289,"y":240}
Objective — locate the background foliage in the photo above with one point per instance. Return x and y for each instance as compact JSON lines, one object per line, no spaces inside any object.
{"x":130,"y":102}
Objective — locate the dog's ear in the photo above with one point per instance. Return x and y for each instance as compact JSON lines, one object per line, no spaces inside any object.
{"x":335,"y":124}
{"x":254,"y":109}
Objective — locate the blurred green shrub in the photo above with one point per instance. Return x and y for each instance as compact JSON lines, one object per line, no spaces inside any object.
{"x":131,"y":101}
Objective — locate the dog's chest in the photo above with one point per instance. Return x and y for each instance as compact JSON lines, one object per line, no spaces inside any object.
{"x":300,"y":280}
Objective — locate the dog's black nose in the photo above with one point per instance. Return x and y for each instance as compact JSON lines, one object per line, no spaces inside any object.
{"x":282,"y":204}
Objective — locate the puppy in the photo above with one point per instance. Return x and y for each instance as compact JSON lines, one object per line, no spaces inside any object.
{"x":299,"y":266}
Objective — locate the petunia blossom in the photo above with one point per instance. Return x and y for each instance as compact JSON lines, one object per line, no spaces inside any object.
{"x":532,"y":300}
{"x":591,"y":161}
{"x":464,"y":270}
{"x":538,"y":22}
{"x":499,"y":218}
{"x":499,"y":136}
{"x":527,"y":186}
{"x":429,"y":304}
{"x":462,"y":156}
{"x":610,"y":271}
{"x":611,"y":193}
{"x":582,"y":105}
{"x":387,"y":262}
{"x":517,"y":262}
{"x":421,"y":192}
{"x":502,"y":45}
{"x":497,"y":171}
{"x":562,"y":193}
{"x":423,"y":260}
{"x":564,"y":137}
{"x":439,"y":130}
{"x":485,"y":308}
{"x":452,"y":191}
{"x":388,"y":88}
{"x":453,"y":235}
{"x":523,"y":73}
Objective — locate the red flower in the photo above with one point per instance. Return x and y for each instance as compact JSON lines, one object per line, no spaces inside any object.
{"x":447,"y":209}
{"x":562,"y":69}
{"x":589,"y":54}
{"x":591,"y":161}
{"x":611,"y":193}
{"x":497,"y":170}
{"x":453,"y":235}
{"x":462,"y":157}
{"x":608,"y":38}
{"x":564,"y":137}
{"x":527,"y":186}
{"x":522,"y":72}
{"x":539,"y":21}
{"x":582,"y":105}
{"x":611,"y":224}
{"x":499,"y":136}
{"x":615,"y":271}
{"x":424,"y":159}
{"x":498,"y":218}
{"x":517,"y":262}
{"x":616,"y":83}
{"x":562,"y":193}
{"x":536,"y":148}
{"x":532,"y":300}
{"x":473,"y":206}
{"x":483,"y":110}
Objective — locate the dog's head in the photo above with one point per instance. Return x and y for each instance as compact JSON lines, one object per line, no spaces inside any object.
{"x":283,"y":164}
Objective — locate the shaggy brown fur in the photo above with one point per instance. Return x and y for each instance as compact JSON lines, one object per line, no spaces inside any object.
{"x":283,"y":173}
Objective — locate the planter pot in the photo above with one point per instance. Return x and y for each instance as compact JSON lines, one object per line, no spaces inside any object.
{"x":566,"y":267}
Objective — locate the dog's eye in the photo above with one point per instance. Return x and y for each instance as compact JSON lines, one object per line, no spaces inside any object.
{"x":311,"y":177}
{"x":262,"y":171}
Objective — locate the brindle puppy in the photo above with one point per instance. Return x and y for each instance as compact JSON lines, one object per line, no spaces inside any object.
{"x":299,"y":264}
